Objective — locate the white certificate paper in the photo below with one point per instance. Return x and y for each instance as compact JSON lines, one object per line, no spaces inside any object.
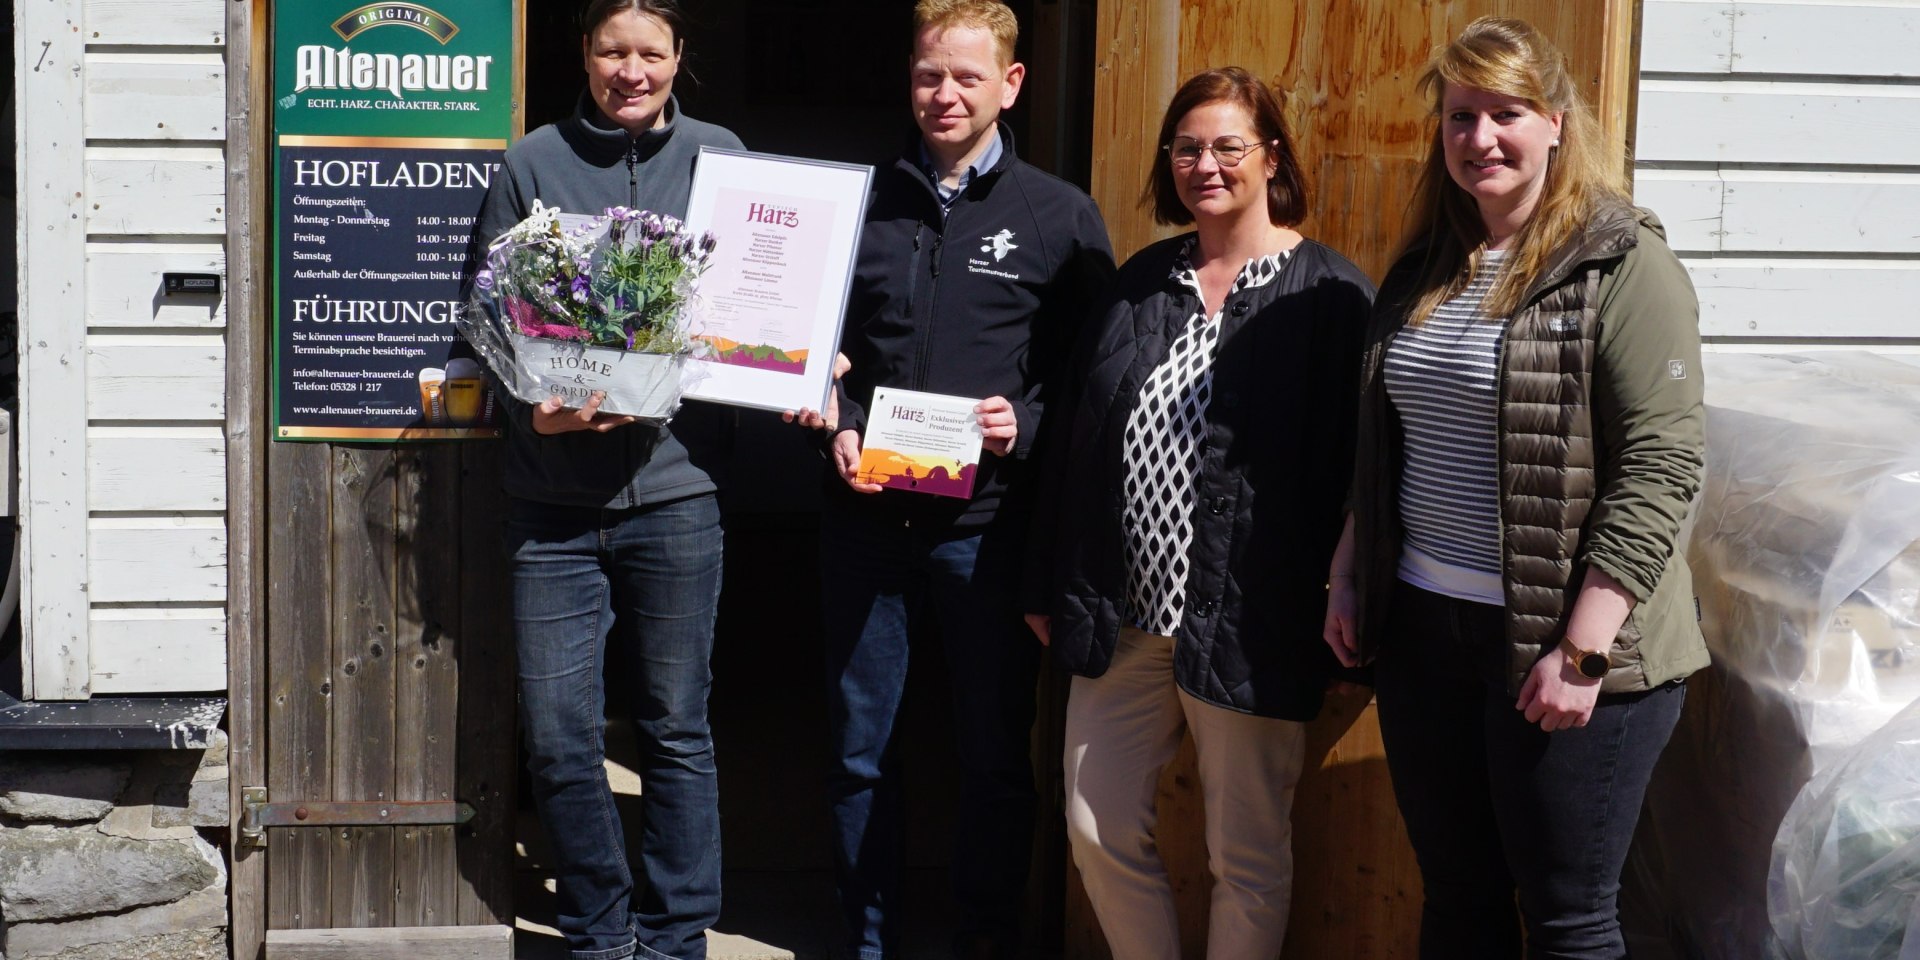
{"x":772,"y":300}
{"x":924,"y":442}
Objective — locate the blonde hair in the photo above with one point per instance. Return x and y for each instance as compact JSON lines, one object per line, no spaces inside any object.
{"x":1511,"y":58}
{"x":989,"y":15}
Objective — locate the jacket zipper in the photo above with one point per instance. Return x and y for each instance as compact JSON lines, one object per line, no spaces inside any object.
{"x":913,"y":270}
{"x":633,"y":173}
{"x":633,"y":200}
{"x":933,"y":296}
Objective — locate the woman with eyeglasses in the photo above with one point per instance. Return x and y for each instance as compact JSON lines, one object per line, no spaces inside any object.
{"x":1192,"y":480}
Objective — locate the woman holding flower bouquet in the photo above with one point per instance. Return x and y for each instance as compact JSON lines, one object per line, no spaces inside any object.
{"x":614,"y":533}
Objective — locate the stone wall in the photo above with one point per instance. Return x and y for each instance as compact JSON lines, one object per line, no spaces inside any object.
{"x":104,"y":855}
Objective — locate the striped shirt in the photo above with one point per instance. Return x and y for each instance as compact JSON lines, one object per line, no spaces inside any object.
{"x":1442,"y":377}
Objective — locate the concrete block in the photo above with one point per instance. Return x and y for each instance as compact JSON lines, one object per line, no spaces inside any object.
{"x":61,"y":789}
{"x":159,"y":781}
{"x":204,"y":805}
{"x":50,"y":874}
{"x":204,"y":910}
{"x":186,"y":945}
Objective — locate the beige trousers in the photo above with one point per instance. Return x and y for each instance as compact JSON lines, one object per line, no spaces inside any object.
{"x":1122,"y":728}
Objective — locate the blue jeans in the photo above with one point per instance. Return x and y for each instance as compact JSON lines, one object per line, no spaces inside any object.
{"x":880,"y":579}
{"x":1494,"y":805}
{"x":647,"y":578}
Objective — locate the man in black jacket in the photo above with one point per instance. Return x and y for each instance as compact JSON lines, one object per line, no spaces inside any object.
{"x":974,"y":272}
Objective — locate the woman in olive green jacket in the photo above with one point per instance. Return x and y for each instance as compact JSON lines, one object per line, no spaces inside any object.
{"x":1529,"y":444}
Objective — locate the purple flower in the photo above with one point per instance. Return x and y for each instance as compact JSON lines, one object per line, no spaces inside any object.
{"x":579,"y":288}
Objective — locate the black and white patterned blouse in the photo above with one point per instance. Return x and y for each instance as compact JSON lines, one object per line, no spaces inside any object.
{"x":1162,"y":451}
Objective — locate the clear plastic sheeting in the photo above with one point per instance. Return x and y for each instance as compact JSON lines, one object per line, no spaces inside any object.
{"x":1806,"y":558}
{"x":1846,"y":865}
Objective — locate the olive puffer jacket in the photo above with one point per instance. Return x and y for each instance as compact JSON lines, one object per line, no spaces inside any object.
{"x":1601,"y":450}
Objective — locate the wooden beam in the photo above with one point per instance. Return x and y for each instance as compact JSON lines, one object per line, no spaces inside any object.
{"x":248,"y":166}
{"x":51,"y":235}
{"x":483,"y":650}
{"x":1136,"y":70}
{"x":393,"y":943}
{"x":298,"y":696}
{"x":1619,"y":75}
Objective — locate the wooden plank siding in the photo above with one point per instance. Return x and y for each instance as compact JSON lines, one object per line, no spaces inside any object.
{"x":122,"y":295}
{"x":1780,"y":144}
{"x":145,"y":159}
{"x":147,"y":648}
{"x":181,"y":376}
{"x":53,"y":426}
{"x":151,"y":560}
{"x":1347,"y":72}
{"x":155,"y":470}
{"x":1830,"y":38}
{"x":156,"y":96}
{"x":143,"y":23}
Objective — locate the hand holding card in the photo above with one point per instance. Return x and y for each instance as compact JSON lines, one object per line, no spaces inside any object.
{"x":923,"y":442}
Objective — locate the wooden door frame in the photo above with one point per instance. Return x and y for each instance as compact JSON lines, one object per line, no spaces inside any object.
{"x":248,"y":165}
{"x":250,"y":178}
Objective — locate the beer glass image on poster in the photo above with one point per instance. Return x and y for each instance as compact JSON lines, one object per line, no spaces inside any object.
{"x":923,"y":442}
{"x":456,"y":396}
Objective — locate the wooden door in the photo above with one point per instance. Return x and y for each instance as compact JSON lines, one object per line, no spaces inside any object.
{"x":389,"y":680}
{"x":371,"y":651}
{"x":1347,"y":71}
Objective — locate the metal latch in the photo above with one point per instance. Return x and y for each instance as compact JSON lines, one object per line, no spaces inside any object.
{"x":257,"y":814}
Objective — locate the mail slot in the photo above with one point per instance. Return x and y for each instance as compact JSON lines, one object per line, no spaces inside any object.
{"x":191,"y":282}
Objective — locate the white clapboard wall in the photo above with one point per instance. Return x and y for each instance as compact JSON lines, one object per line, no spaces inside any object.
{"x":1780,"y":143}
{"x":122,"y":126}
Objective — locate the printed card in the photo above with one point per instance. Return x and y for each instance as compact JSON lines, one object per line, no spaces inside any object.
{"x":923,"y":442}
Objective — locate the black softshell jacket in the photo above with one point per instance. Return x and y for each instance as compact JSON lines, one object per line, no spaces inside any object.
{"x":981,"y":299}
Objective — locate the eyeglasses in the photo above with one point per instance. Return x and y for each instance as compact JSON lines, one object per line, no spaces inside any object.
{"x":1227,"y":151}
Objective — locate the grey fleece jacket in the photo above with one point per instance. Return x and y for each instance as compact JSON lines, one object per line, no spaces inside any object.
{"x":582,"y":166}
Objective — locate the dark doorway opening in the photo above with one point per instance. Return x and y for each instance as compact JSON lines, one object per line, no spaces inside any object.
{"x":824,"y":79}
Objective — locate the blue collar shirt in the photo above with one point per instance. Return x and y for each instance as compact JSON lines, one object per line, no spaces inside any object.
{"x":986,"y":161}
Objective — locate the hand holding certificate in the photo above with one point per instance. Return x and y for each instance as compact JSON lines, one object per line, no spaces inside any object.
{"x":924,"y":442}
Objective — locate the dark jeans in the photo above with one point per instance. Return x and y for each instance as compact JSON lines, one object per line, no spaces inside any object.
{"x":880,"y":579}
{"x":1493,"y":804}
{"x":647,"y":578}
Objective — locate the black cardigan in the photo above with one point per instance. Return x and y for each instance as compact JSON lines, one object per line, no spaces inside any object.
{"x":1268,"y":506}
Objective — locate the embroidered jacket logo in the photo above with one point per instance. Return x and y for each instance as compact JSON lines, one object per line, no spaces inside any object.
{"x":1000,"y":244}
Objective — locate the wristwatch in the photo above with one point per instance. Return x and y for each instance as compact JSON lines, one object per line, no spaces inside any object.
{"x":1591,"y":665}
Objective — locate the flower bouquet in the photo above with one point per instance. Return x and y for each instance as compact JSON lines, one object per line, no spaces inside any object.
{"x":568,"y":306}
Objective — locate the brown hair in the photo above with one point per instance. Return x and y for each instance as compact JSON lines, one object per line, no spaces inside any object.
{"x":1511,"y":58}
{"x":598,"y":12}
{"x":989,"y":15}
{"x":1286,"y":192}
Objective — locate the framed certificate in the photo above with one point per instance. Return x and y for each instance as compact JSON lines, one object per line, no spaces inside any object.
{"x":775,"y":295}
